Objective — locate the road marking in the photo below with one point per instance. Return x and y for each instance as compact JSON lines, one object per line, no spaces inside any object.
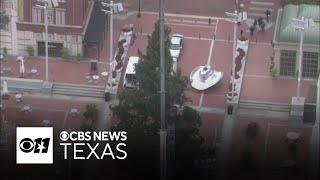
{"x":204,"y":22}
{"x":197,"y":38}
{"x":209,"y":58}
{"x":212,"y":110}
{"x":262,"y":3}
{"x":183,"y":15}
{"x":259,"y":9}
{"x":188,"y":21}
{"x":173,"y":20}
{"x":189,"y":25}
{"x":256,"y":76}
{"x":185,"y":37}
{"x":255,"y":14}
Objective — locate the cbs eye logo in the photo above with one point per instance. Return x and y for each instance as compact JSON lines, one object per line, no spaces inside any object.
{"x":34,"y":145}
{"x":38,"y":145}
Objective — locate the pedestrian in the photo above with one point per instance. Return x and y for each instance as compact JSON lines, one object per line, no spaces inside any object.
{"x":251,"y":30}
{"x":263,"y":26}
{"x":268,"y":13}
{"x":241,"y":32}
{"x":260,"y":21}
{"x":255,"y":23}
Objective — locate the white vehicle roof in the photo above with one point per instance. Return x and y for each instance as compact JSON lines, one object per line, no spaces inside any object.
{"x":133,"y":60}
{"x":176,"y":38}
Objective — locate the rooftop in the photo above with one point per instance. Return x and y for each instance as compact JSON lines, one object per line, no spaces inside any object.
{"x":285,"y":31}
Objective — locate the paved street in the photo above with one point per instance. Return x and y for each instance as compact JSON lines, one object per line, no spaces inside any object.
{"x":208,"y":40}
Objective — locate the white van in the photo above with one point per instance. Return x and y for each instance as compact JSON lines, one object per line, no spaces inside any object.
{"x":129,"y":80}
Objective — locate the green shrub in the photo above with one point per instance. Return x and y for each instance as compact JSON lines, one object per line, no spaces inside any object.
{"x":5,"y":51}
{"x":78,"y":58}
{"x":274,"y":72}
{"x":30,"y":50}
{"x":293,"y":147}
{"x":252,"y":129}
{"x":65,"y":53}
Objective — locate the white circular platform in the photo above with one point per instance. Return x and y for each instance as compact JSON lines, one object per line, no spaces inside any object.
{"x":203,"y":77}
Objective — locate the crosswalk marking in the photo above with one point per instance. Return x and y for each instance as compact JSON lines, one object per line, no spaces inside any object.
{"x":262,"y":3}
{"x":190,"y":22}
{"x":259,"y":9}
{"x":253,"y":14}
{"x":191,"y":25}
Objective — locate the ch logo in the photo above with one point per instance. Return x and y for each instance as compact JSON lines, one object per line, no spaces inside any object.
{"x":34,"y":145}
{"x":38,"y":145}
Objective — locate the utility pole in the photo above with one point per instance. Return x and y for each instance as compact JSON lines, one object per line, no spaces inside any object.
{"x":47,"y":4}
{"x":297,"y":103}
{"x":139,"y":8}
{"x":110,"y":11}
{"x":46,"y":32}
{"x":111,"y":43}
{"x":163,"y":132}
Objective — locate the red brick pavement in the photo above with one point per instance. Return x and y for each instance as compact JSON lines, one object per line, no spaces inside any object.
{"x":59,"y":70}
{"x":276,"y":148}
{"x":57,"y":111}
{"x":257,"y":84}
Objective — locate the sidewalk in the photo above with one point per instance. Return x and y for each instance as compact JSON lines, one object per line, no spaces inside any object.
{"x":59,"y":70}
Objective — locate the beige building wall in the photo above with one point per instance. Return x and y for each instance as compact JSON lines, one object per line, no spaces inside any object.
{"x":294,"y":47}
{"x":29,"y":38}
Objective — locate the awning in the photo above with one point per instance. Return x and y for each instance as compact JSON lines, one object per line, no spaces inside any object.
{"x":96,"y":25}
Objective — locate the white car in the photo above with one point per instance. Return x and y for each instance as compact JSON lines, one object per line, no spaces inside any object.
{"x":176,"y":43}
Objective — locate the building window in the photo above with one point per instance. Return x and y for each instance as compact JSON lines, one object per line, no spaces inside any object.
{"x":36,"y":15}
{"x":50,"y":17}
{"x":288,"y":63}
{"x":61,"y":17}
{"x":310,"y":64}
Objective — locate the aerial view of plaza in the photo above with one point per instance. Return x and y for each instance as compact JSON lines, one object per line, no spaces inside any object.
{"x":194,"y":89}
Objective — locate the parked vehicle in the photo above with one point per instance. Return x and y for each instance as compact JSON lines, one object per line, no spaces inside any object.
{"x":129,"y":80}
{"x":176,"y":43}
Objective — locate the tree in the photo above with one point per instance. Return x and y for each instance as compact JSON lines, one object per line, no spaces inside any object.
{"x":91,"y":116}
{"x":139,"y":114}
{"x":4,"y":21}
{"x":252,"y":130}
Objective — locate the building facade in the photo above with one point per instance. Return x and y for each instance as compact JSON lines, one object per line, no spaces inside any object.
{"x":66,"y":27}
{"x":286,"y":42}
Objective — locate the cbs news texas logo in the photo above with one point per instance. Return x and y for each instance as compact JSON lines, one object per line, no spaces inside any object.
{"x":34,"y":145}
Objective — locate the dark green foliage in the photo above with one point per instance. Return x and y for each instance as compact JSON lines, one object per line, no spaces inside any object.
{"x":252,"y":130}
{"x":139,"y":114}
{"x":247,"y":160}
{"x":293,"y":147}
{"x":4,"y":20}
{"x":30,"y":50}
{"x":5,"y":51}
{"x":91,"y":113}
{"x":65,"y":53}
{"x":78,"y":58}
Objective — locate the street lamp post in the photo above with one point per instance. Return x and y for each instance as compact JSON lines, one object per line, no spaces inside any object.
{"x":111,"y":6}
{"x":298,"y":101}
{"x":301,"y":25}
{"x":45,"y":6}
{"x":163,"y":131}
{"x":139,"y":8}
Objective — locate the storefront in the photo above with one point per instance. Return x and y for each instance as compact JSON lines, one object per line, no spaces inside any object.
{"x":54,"y":49}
